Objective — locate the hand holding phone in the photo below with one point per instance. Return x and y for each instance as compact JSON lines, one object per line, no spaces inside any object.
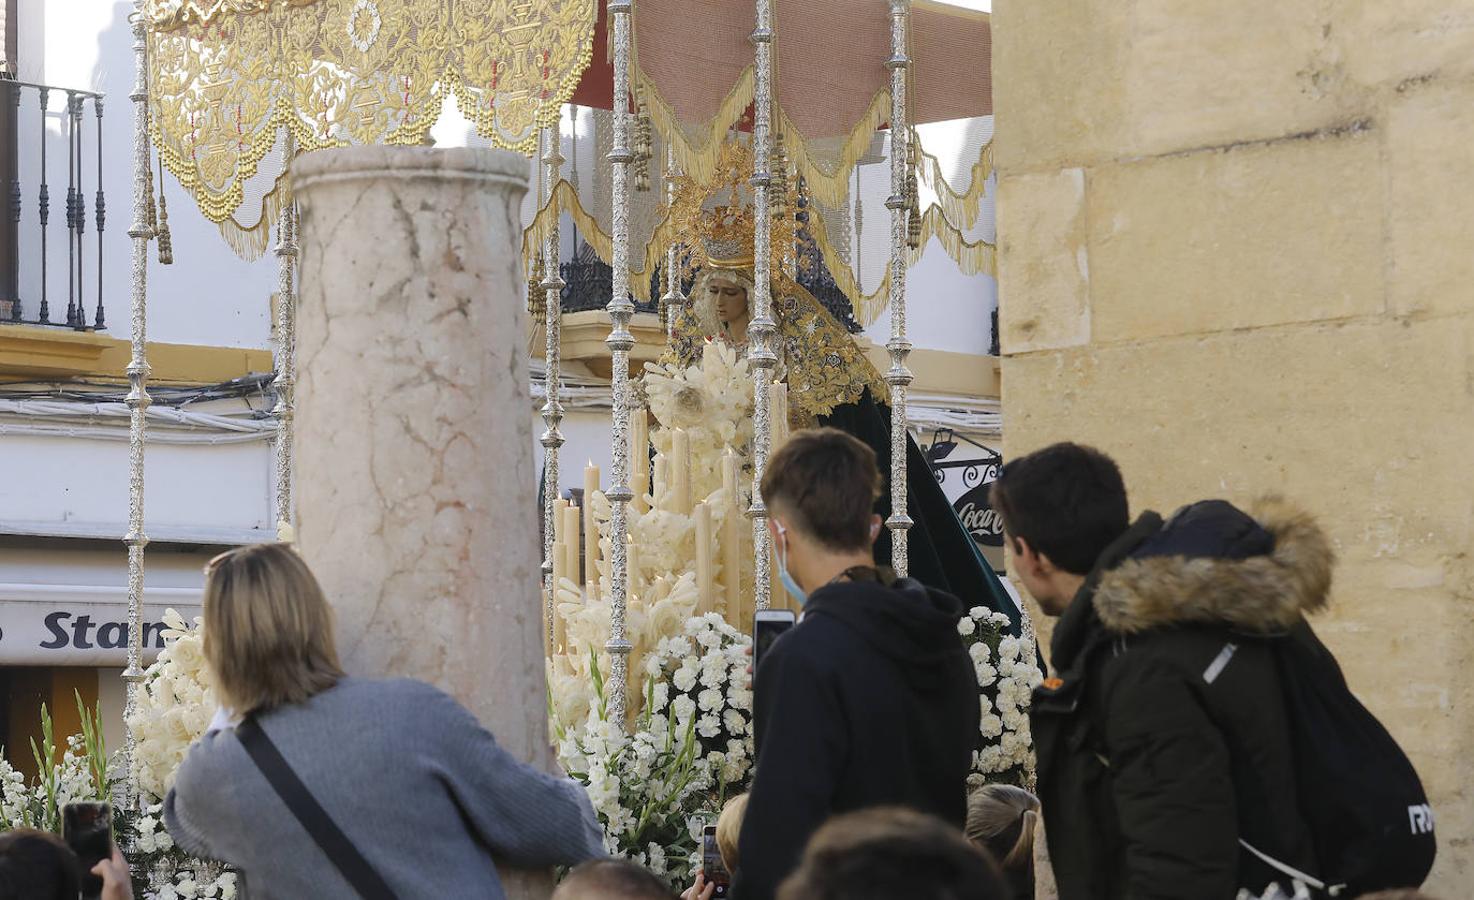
{"x":767,"y":625}
{"x":712,"y":868}
{"x":88,"y":830}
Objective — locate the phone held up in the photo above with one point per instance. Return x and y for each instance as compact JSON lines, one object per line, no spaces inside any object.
{"x":712,"y":867}
{"x":88,"y":830}
{"x":767,"y":625}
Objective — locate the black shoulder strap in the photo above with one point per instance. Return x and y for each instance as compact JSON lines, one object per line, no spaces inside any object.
{"x":340,"y":851}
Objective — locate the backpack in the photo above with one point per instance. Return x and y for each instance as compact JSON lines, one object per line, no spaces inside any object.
{"x":1366,"y":810}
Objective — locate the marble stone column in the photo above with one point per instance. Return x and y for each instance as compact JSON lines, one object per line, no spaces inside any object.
{"x":417,"y":494}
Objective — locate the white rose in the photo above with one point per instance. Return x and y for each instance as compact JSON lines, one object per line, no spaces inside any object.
{"x":709,"y":700}
{"x":979,"y":612}
{"x":991,"y":726}
{"x":966,"y":626}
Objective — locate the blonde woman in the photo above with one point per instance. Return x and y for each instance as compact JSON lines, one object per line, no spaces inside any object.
{"x":1003,"y":820}
{"x":332,"y":786}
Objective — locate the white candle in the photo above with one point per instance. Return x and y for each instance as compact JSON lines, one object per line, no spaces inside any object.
{"x":560,"y":507}
{"x":591,"y":533}
{"x":778,"y":406}
{"x":661,"y":491}
{"x":731,"y":564}
{"x":560,"y":567}
{"x":680,"y":471}
{"x":572,"y":540}
{"x":729,"y":476}
{"x":705,"y":599}
{"x":640,"y":442}
{"x":632,"y":564}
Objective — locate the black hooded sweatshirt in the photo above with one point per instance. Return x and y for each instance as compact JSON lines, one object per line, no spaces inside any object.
{"x":870,"y":700}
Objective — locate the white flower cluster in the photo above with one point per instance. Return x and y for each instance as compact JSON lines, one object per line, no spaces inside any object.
{"x":711,"y":401}
{"x":691,"y":747}
{"x":193,"y":881}
{"x":39,"y":805}
{"x":1007,"y":674}
{"x":174,"y":706}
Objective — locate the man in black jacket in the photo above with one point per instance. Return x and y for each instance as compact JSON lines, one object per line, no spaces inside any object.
{"x":1165,"y":765}
{"x":871,"y":699}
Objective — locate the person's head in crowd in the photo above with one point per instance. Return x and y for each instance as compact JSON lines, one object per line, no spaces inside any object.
{"x":1002,"y":819}
{"x":268,"y":629}
{"x":729,"y":826}
{"x":820,"y":488}
{"x":37,"y":865}
{"x":889,"y":853}
{"x":612,"y":879}
{"x":1061,"y":508}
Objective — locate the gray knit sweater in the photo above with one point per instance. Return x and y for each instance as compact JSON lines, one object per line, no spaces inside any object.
{"x":419,"y":787}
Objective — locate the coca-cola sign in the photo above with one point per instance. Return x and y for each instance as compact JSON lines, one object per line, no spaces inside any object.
{"x":979,"y":518}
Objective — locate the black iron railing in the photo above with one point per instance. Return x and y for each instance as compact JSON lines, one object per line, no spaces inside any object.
{"x":28,"y":295}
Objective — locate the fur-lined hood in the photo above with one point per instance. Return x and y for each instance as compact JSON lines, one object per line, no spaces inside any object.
{"x":1265,"y":592}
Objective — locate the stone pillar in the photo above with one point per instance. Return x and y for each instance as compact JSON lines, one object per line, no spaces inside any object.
{"x":417,"y":494}
{"x":1235,"y":253}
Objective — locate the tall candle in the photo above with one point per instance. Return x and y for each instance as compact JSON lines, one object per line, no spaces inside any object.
{"x":632,"y":564}
{"x":590,"y":534}
{"x":680,"y":471}
{"x":573,"y":542}
{"x":705,"y":599}
{"x":729,"y":476}
{"x":640,"y":442}
{"x":560,"y":507}
{"x":778,"y":404}
{"x":661,"y":489}
{"x":731,"y":564}
{"x":560,"y":568}
{"x":560,"y":627}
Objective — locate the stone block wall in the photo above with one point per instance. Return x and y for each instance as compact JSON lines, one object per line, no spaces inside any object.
{"x":1237,"y":253}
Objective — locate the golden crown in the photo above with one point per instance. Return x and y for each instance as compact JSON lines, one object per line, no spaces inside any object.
{"x":716,"y":220}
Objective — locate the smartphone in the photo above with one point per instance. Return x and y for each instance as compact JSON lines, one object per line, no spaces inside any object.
{"x":712,"y":866}
{"x":767,"y":624}
{"x":88,"y":830}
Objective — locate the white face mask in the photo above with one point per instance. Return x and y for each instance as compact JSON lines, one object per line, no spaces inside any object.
{"x":789,"y":584}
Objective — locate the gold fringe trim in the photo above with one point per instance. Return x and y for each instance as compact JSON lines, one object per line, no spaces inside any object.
{"x":960,"y":208}
{"x":698,"y":159}
{"x":250,"y":242}
{"x":831,"y":185}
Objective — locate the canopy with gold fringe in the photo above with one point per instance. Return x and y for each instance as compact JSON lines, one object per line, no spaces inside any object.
{"x":228,"y":76}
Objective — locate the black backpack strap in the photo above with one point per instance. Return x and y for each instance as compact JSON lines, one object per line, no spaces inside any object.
{"x":322,"y":829}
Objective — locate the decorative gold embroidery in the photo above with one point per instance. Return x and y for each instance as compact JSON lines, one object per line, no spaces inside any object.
{"x":339,"y":72}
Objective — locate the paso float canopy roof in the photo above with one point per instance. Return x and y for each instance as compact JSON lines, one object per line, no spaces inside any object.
{"x":231,"y":79}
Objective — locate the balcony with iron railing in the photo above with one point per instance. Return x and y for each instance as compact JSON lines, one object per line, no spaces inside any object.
{"x":51,"y":245}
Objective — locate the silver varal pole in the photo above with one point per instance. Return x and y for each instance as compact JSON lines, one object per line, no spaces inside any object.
{"x":620,"y":343}
{"x":898,"y":376}
{"x":286,"y":354}
{"x":552,"y":409}
{"x":675,"y":300}
{"x":760,"y":356}
{"x":138,"y":399}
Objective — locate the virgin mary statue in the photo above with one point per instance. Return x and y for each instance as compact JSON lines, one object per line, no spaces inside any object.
{"x":830,"y":380}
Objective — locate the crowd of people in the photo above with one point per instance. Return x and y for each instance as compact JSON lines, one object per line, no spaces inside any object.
{"x":1169,"y":761}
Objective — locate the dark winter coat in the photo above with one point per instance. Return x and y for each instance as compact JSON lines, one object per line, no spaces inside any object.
{"x":870,"y":700}
{"x":1163,"y":743}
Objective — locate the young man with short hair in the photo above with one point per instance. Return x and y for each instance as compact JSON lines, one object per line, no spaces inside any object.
{"x":1163,"y":745}
{"x":871,"y":699}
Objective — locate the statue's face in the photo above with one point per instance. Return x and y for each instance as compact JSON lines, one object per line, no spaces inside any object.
{"x":728,"y":298}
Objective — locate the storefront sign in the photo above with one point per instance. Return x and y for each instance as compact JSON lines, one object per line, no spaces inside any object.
{"x":80,"y":634}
